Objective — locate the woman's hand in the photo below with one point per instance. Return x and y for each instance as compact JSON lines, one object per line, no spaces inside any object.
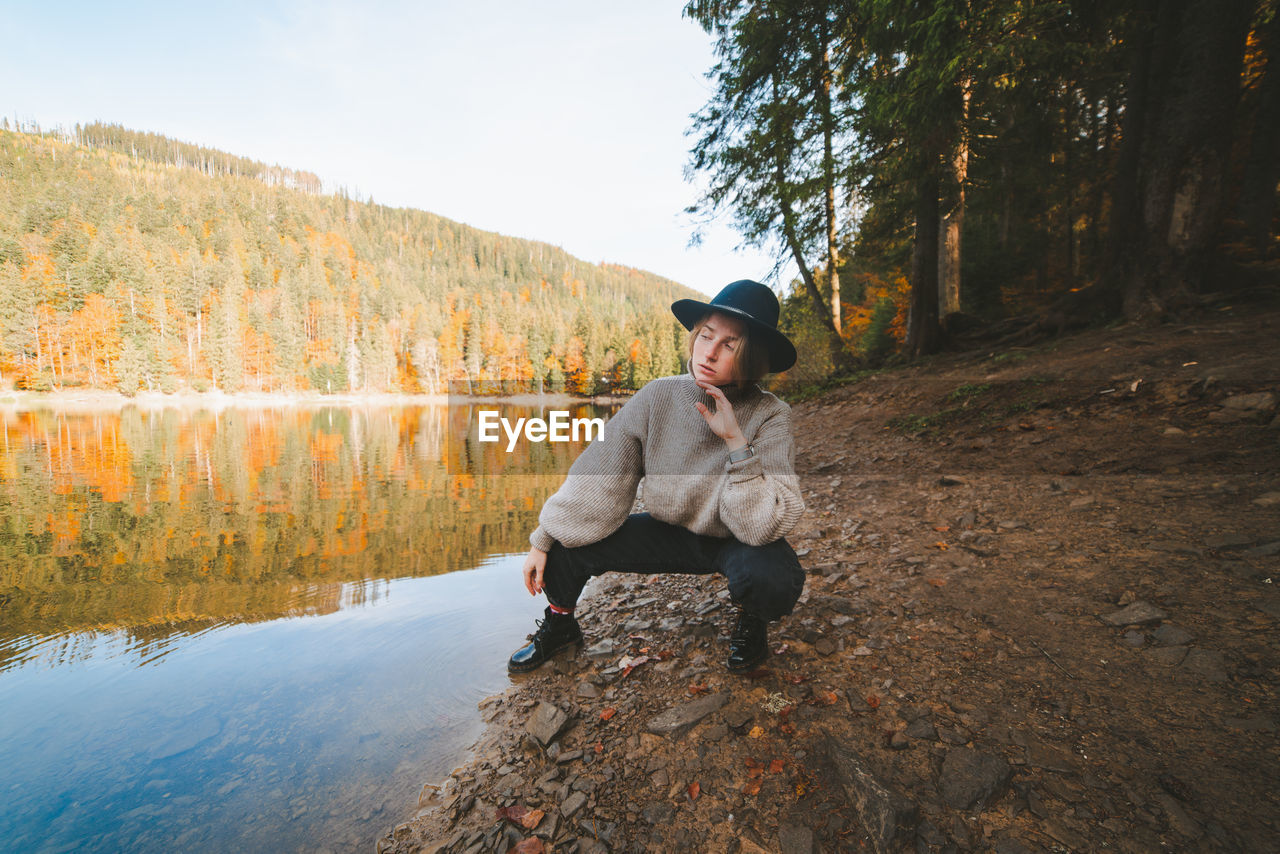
{"x":534,"y":566}
{"x":722,"y":422}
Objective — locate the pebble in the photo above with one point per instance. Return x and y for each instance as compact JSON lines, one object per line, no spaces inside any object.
{"x":1207,"y":663}
{"x":1171,"y":635}
{"x":1168,"y":656}
{"x":572,"y":804}
{"x":795,"y":839}
{"x":1137,"y":614}
{"x":970,"y":777}
{"x":685,"y":715}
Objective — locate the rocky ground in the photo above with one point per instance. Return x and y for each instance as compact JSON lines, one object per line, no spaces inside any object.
{"x":1040,"y":616}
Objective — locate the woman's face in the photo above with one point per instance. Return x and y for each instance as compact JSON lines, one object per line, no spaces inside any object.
{"x":715,"y":349}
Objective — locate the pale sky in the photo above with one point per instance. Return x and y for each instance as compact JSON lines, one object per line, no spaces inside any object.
{"x":560,"y":121}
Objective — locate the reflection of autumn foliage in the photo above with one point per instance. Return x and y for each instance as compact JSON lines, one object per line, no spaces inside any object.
{"x":146,"y":518}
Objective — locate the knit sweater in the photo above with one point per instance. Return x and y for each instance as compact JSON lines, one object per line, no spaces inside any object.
{"x":688,"y":480}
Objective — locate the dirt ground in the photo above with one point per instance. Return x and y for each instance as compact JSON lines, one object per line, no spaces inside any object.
{"x":1040,"y":616}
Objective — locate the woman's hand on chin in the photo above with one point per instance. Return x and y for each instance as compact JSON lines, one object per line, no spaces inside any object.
{"x":722,"y":422}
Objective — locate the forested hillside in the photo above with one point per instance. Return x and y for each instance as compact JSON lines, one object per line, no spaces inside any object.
{"x":130,"y":261}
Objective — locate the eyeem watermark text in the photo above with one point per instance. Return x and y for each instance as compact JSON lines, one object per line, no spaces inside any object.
{"x":557,"y":427}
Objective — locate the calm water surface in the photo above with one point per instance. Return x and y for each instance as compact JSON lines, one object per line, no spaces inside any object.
{"x":250,"y":629}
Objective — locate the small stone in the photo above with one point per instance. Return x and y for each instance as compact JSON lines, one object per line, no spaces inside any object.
{"x":588,"y":691}
{"x":1267,"y":499}
{"x":899,"y":740}
{"x":1058,"y":830}
{"x":795,"y":839}
{"x":1137,"y":614}
{"x":567,"y":756}
{"x":603,"y":650}
{"x":921,"y":728}
{"x":1171,"y":635}
{"x":685,"y":715}
{"x":1207,"y":663}
{"x":1225,"y":542}
{"x":969,"y":778}
{"x":572,"y":804}
{"x":1267,"y":550}
{"x":1135,"y":638}
{"x":659,"y":812}
{"x":546,"y":722}
{"x":1263,"y":401}
{"x":825,"y":646}
{"x":1168,"y":656}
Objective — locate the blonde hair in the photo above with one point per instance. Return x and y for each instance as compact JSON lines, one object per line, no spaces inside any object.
{"x":750,"y":357}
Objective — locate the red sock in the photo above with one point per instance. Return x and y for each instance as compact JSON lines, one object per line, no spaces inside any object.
{"x":556,"y":609}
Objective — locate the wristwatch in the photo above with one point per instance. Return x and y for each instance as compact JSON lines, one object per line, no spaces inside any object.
{"x":743,"y":453}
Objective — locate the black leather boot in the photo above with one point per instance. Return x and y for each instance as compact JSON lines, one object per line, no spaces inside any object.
{"x":749,"y":644}
{"x":555,"y":632}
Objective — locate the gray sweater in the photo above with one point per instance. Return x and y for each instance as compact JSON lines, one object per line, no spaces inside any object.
{"x":688,"y":480}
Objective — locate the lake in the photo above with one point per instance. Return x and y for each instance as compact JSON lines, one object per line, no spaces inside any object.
{"x":253,"y":628}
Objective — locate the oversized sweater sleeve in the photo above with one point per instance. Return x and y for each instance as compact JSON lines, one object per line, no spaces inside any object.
{"x":600,"y":489}
{"x":761,"y":500}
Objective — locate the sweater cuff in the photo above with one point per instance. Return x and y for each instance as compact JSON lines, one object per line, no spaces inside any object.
{"x":540,"y":539}
{"x":745,"y":470}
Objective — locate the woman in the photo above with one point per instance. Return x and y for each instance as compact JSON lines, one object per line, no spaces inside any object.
{"x":717,"y":457}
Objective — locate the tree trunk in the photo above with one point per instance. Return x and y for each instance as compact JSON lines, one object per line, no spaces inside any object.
{"x":923,"y":334}
{"x":952,"y":230}
{"x":829,"y":181}
{"x":1184,"y":114}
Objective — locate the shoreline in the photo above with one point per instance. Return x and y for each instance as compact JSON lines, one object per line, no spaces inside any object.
{"x":1006,"y":642}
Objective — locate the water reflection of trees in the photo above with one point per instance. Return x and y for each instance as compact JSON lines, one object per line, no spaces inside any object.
{"x":156,"y":522}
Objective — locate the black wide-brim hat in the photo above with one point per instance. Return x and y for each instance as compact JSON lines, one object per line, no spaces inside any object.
{"x":753,"y":303}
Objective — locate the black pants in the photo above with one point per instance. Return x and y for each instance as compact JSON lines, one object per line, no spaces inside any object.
{"x":765,"y":580}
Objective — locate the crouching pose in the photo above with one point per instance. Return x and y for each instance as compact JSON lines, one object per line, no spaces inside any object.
{"x":717,"y":457}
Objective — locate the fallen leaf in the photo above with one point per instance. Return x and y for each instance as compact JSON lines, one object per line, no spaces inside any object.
{"x":938,"y":582}
{"x":795,"y":678}
{"x":776,"y":766}
{"x":599,"y":747}
{"x":942,"y":528}
{"x":941,"y":546}
{"x":751,"y":787}
{"x":825,"y":698}
{"x":514,"y":813}
{"x":697,"y":689}
{"x":628,"y":664}
{"x":532,"y":845}
{"x":531,"y":819}
{"x":608,"y":713}
{"x":694,"y":790}
{"x":756,"y":732}
{"x":873,"y":701}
